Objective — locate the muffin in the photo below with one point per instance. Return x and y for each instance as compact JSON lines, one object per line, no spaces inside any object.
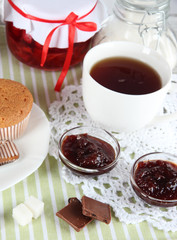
{"x":16,"y":103}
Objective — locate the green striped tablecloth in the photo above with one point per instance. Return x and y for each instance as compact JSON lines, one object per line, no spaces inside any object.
{"x":46,"y":183}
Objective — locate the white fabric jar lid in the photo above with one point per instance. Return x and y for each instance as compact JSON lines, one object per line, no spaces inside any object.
{"x":55,"y":10}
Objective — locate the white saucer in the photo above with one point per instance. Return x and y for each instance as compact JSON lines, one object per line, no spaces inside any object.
{"x":32,"y":147}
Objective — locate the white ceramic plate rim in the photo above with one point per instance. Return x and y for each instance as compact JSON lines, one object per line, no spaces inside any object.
{"x":33,"y":148}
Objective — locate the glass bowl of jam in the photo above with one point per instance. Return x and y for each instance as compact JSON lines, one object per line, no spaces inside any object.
{"x":89,"y":150}
{"x":154,"y":179}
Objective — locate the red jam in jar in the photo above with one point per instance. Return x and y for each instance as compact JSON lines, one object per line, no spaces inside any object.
{"x":87,"y":151}
{"x":157,"y":179}
{"x":28,"y":51}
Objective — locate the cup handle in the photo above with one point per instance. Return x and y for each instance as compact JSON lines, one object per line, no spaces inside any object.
{"x":166,"y":117}
{"x":173,"y":88}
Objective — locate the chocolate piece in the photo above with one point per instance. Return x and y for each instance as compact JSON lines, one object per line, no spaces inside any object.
{"x":8,"y":152}
{"x":95,"y":209}
{"x":72,"y":214}
{"x":73,"y":199}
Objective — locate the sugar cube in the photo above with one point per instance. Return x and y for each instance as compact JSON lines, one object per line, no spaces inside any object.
{"x":35,"y":205}
{"x":22,"y":214}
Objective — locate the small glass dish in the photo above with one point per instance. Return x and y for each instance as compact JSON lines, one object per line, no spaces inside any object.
{"x":87,"y":152}
{"x":154,"y":179}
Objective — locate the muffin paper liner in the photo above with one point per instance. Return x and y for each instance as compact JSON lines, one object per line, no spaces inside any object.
{"x":14,"y":131}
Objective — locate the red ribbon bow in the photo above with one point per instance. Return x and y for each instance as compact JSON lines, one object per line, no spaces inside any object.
{"x":72,"y":22}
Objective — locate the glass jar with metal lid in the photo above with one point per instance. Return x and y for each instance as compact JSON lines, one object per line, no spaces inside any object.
{"x":144,"y":22}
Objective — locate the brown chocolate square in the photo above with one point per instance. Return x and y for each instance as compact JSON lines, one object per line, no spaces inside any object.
{"x":96,"y":209}
{"x":72,"y":214}
{"x":72,"y":199}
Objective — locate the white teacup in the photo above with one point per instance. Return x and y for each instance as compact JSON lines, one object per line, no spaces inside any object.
{"x":119,"y":111}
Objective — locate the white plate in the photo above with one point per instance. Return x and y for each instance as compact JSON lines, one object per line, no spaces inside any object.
{"x":32,"y":147}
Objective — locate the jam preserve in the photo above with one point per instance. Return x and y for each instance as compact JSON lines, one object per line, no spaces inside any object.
{"x":28,"y":51}
{"x":87,"y":151}
{"x":157,"y":179}
{"x":52,"y":35}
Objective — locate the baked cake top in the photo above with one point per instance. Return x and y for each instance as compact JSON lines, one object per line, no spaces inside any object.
{"x":16,"y":102}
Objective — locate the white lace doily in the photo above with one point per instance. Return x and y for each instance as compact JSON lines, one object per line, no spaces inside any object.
{"x":114,"y":187}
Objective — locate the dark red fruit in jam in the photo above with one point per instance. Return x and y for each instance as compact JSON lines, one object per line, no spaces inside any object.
{"x":87,"y":151}
{"x":157,"y":179}
{"x":28,"y":51}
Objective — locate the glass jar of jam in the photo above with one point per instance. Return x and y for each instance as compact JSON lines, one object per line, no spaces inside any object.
{"x":29,"y":51}
{"x":144,"y":22}
{"x":154,"y":179}
{"x":43,"y":34}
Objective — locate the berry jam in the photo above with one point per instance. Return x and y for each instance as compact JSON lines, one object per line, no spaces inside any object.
{"x":157,"y":179}
{"x":87,"y":151}
{"x":28,"y":51}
